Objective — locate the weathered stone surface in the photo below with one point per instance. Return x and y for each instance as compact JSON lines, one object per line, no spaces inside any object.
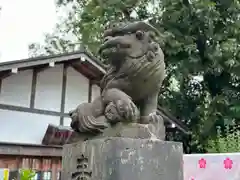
{"x":124,"y":130}
{"x":123,"y":159}
{"x":135,"y":130}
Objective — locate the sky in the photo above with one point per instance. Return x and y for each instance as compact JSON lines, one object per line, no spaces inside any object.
{"x":23,"y":22}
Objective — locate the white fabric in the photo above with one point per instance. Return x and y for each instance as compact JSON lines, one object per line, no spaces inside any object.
{"x":225,"y":166}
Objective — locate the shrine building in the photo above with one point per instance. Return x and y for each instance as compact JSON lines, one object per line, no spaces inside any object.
{"x":36,"y":95}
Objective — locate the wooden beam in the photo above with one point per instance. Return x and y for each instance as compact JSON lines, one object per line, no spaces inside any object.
{"x":29,"y":110}
{"x":60,"y":135}
{"x":14,"y":70}
{"x":42,"y":68}
{"x":96,"y":82}
{"x":51,"y":64}
{"x":63,"y":96}
{"x":90,"y":91}
{"x":0,"y":86}
{"x":81,"y":68}
{"x":46,"y":60}
{"x":5,"y":74}
{"x":170,"y":118}
{"x":33,"y":89}
{"x":30,"y":150}
{"x":82,"y":58}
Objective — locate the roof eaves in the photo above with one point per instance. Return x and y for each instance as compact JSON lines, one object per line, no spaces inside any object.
{"x":52,"y":58}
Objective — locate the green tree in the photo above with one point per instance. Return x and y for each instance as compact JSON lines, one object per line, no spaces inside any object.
{"x":201,"y":43}
{"x":226,"y":141}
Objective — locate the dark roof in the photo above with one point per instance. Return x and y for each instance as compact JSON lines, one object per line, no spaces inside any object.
{"x":167,"y":116}
{"x":37,"y":61}
{"x":52,"y":58}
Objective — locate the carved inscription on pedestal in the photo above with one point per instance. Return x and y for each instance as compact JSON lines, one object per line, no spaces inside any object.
{"x":82,"y":172}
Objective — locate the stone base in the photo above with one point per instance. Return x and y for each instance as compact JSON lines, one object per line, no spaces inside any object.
{"x":134,"y":130}
{"x":123,"y":159}
{"x":124,"y":130}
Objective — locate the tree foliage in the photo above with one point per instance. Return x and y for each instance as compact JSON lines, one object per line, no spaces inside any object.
{"x":201,"y":43}
{"x":227,"y":140}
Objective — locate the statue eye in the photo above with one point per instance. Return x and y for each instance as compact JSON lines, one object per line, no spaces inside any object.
{"x":139,"y":35}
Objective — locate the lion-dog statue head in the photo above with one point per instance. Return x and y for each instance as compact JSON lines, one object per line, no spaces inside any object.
{"x":135,"y":57}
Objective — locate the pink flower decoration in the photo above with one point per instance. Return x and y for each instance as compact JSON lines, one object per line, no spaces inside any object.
{"x":202,"y":163}
{"x":192,"y":178}
{"x":228,"y":163}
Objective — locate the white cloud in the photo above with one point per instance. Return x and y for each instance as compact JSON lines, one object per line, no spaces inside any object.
{"x":23,"y":22}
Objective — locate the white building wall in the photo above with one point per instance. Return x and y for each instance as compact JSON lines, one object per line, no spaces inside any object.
{"x":76,"y":90}
{"x":22,"y":127}
{"x":49,"y":89}
{"x":95,"y":91}
{"x":16,"y":89}
{"x":25,"y":127}
{"x":67,"y":121}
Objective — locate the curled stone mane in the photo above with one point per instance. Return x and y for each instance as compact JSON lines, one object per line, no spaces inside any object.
{"x":149,"y":64}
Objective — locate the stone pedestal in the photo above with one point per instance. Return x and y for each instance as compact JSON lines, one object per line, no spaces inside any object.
{"x":119,"y":158}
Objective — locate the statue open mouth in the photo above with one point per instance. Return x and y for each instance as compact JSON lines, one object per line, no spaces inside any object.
{"x":113,"y":46}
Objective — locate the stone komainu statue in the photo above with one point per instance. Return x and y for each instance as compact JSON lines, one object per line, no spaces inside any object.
{"x":129,"y":90}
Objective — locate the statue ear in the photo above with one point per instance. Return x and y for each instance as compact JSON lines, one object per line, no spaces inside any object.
{"x":139,"y":35}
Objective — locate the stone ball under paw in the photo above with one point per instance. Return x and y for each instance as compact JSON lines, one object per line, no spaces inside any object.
{"x":84,"y":121}
{"x":120,"y":112}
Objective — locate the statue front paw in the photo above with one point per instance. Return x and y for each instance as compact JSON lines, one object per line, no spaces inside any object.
{"x":122,"y":110}
{"x":155,"y":124}
{"x":83,"y":121}
{"x":151,"y":118}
